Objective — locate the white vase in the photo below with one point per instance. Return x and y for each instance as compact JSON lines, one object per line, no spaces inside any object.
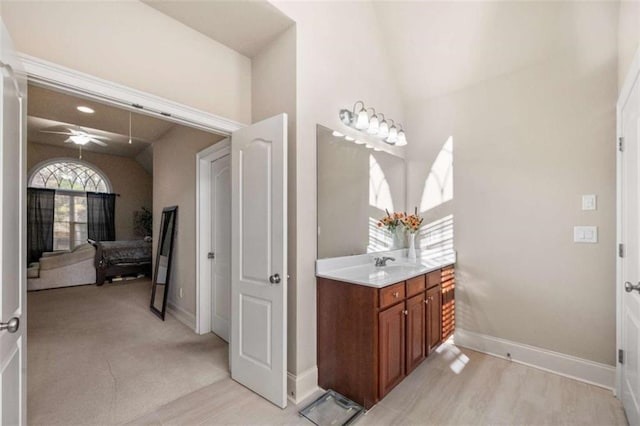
{"x":412,"y":247}
{"x":397,"y":241}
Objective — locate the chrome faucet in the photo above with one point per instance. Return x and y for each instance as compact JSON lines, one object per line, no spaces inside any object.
{"x":382,"y":261}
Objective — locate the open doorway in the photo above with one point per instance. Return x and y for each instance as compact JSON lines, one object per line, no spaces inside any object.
{"x":96,"y":353}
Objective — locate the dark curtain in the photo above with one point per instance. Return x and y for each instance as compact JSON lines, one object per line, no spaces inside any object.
{"x":40,"y":207}
{"x":101,"y":214}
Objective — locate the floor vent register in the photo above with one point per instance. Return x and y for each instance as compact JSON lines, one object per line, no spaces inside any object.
{"x":332,"y":409}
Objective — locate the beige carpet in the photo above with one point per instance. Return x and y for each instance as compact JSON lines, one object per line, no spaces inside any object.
{"x":97,"y":355}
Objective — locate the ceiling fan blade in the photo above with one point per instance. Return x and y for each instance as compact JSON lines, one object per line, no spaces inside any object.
{"x":99,"y":137}
{"x":97,"y":142}
{"x":56,"y":133}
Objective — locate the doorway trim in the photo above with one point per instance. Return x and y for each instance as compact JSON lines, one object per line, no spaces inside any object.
{"x":57,"y":77}
{"x":203,"y":231}
{"x":53,"y":76}
{"x":632,"y":75}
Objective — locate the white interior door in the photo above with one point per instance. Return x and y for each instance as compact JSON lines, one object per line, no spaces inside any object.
{"x":630,"y":264}
{"x":259,"y":258}
{"x":13,"y":293}
{"x":221,"y":246}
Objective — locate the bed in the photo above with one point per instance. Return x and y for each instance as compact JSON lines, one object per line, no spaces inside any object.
{"x":121,"y":258}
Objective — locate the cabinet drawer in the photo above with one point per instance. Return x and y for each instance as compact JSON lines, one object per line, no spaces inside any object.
{"x":415,"y":285}
{"x":433,"y":278}
{"x":392,"y":294}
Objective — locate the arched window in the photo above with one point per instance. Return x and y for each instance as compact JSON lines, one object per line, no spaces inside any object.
{"x":71,"y":179}
{"x":70,"y":175}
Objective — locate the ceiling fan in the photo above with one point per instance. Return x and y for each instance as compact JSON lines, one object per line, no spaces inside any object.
{"x":77,"y":135}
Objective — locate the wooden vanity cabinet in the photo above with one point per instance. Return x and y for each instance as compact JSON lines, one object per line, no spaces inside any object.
{"x":433,"y":315}
{"x":391,"y":323}
{"x":370,"y":338}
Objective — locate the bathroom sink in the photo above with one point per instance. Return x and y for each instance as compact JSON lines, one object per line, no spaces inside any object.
{"x":379,"y":275}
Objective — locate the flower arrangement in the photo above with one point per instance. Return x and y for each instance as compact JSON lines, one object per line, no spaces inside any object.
{"x":391,"y":221}
{"x":412,"y":222}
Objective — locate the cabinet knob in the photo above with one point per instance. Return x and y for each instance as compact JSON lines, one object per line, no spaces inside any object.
{"x":396,"y":294}
{"x":405,"y":312}
{"x":426,"y":302}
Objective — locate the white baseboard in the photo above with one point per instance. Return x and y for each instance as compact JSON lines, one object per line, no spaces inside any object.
{"x":591,"y":372}
{"x":303,"y":385}
{"x":182,"y":315}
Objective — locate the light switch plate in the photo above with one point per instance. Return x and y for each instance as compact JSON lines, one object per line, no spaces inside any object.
{"x":589,"y":202}
{"x":585,"y":234}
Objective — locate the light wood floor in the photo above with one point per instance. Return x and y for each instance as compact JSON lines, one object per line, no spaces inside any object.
{"x":453,"y":387}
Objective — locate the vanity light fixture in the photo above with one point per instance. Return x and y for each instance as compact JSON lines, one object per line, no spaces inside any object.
{"x":375,"y":125}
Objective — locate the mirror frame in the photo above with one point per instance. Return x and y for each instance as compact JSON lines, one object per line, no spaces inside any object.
{"x":165,"y":212}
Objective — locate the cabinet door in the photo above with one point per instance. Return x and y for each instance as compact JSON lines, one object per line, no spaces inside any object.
{"x":433,"y":316}
{"x":415,"y":331}
{"x":391,"y":343}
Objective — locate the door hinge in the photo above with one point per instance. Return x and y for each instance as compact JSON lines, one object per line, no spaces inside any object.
{"x":620,"y":144}
{"x":621,"y":356}
{"x":620,"y":250}
{"x":211,"y":255}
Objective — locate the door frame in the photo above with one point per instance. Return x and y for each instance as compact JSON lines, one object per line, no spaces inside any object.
{"x":632,"y":75}
{"x":203,"y":231}
{"x":57,"y":77}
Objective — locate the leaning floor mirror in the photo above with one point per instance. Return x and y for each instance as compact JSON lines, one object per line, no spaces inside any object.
{"x":160,"y":289}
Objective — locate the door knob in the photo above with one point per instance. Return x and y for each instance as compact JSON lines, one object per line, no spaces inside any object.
{"x":11,"y":326}
{"x":274,"y":279}
{"x":628,"y":287}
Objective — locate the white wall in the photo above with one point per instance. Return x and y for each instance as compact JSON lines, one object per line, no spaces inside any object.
{"x":273,"y":84}
{"x":527,"y":145}
{"x":174,"y":184}
{"x":628,"y":36}
{"x":339,"y":61}
{"x":133,"y":44}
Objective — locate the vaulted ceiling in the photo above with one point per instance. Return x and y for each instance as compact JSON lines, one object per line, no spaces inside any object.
{"x":438,"y":47}
{"x":244,"y":26}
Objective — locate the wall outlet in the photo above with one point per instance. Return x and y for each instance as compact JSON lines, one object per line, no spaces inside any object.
{"x":180,"y":292}
{"x":585,"y":234}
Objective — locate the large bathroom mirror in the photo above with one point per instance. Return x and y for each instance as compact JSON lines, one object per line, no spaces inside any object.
{"x":356,"y":184}
{"x":160,"y":289}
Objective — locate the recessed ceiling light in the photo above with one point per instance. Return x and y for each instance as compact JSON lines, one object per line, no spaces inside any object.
{"x":85,"y":109}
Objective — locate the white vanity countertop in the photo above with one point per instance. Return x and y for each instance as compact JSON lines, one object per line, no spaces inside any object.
{"x":360,"y":269}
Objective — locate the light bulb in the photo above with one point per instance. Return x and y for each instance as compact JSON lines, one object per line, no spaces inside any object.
{"x":362,"y":121}
{"x":349,"y":138}
{"x":393,"y":136}
{"x":402,"y":139}
{"x":383,"y":131}
{"x":359,"y":142}
{"x":374,"y":125}
{"x":368,"y":145}
{"x":80,"y":139}
{"x":337,"y":134}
